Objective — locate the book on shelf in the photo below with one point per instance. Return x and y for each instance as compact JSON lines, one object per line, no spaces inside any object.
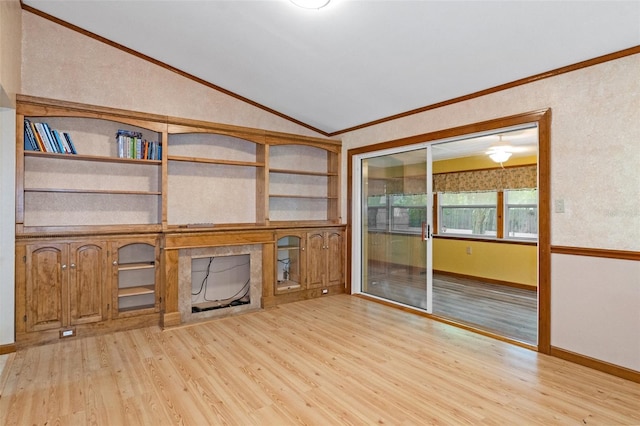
{"x":30,"y":142}
{"x":67,"y":136}
{"x":41,"y":137}
{"x":42,"y":133}
{"x":61,"y":142}
{"x":130,"y":144}
{"x":39,"y":140}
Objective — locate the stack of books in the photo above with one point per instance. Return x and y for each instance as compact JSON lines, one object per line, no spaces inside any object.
{"x":40,"y":137}
{"x":132,"y":145}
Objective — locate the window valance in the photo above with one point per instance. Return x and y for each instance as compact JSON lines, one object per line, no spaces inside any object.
{"x":521,"y":177}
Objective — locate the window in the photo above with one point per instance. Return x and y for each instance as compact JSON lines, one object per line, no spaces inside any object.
{"x":476,"y":214}
{"x":408,"y":212}
{"x":402,"y":213}
{"x":377,"y":212}
{"x":521,"y":213}
{"x":468,"y":213}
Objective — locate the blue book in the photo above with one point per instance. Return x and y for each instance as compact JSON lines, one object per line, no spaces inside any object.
{"x":30,"y":143}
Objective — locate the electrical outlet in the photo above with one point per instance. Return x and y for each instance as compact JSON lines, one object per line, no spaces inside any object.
{"x":469,"y":251}
{"x":67,"y":333}
{"x":559,"y":205}
{"x":325,"y":291}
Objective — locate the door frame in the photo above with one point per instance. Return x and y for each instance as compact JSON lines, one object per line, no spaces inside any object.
{"x":542,"y":118}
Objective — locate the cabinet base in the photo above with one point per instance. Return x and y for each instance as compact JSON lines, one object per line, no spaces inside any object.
{"x":312,"y":293}
{"x":171,"y":319}
{"x":24,"y":339}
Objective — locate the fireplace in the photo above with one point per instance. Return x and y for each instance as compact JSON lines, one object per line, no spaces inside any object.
{"x":219,"y":281}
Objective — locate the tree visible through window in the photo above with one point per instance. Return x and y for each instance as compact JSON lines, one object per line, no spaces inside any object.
{"x":468,"y":213}
{"x":476,"y":213}
{"x":521,"y":213}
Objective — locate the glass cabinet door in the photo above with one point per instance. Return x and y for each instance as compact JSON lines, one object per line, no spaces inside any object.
{"x":289,"y":259}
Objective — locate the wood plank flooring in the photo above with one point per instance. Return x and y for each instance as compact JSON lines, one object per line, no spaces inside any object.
{"x":329,"y":361}
{"x":505,"y":311}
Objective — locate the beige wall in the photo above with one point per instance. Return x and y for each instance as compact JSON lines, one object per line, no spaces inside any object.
{"x":10,"y":36}
{"x":603,"y":319}
{"x":595,"y":156}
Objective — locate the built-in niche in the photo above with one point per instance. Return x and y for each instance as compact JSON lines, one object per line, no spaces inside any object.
{"x":219,"y":281}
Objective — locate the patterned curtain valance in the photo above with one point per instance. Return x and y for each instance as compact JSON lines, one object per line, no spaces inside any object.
{"x":487,"y":180}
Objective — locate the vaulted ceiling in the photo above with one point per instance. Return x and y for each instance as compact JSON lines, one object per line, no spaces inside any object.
{"x":355,"y":62}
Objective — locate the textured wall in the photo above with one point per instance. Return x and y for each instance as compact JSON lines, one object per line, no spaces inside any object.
{"x":595,"y":146}
{"x":10,"y":36}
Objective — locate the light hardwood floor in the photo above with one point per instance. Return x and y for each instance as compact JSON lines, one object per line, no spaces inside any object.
{"x":328,"y":361}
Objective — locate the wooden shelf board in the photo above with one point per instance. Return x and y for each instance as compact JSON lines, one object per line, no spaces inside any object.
{"x":215,"y":161}
{"x":91,"y":191}
{"x":98,"y":158}
{"x":136,"y":291}
{"x":301,"y":172}
{"x":136,"y":266}
{"x":136,"y":308}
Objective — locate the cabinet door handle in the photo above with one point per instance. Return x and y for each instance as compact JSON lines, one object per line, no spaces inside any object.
{"x":64,"y":266}
{"x":115,"y":263}
{"x":73,"y":266}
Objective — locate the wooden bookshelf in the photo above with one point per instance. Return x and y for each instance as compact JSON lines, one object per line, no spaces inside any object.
{"x":214,"y":185}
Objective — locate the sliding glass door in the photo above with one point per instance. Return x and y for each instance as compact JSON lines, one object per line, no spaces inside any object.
{"x":394,"y":226}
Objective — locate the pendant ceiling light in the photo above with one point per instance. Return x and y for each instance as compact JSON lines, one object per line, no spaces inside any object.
{"x":311,"y":4}
{"x":500,"y":156}
{"x":500,"y":153}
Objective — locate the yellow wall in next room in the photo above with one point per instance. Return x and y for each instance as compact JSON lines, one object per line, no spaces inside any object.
{"x":513,"y":263}
{"x":477,"y":163}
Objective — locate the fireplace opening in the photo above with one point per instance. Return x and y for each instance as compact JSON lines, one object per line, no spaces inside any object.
{"x":219,"y":282}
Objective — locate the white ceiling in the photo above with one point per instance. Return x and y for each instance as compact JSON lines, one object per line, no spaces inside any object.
{"x":354,"y":62}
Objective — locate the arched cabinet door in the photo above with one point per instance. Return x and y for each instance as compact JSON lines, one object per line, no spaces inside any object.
{"x":335,"y":257}
{"x":87,"y":282}
{"x":66,"y":284}
{"x":290,"y":262}
{"x":325,"y":258}
{"x":46,"y":286}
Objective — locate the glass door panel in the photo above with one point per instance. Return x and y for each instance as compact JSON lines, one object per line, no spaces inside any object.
{"x":395,"y":227}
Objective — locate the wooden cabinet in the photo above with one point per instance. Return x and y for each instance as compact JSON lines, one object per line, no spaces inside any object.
{"x":65,"y":284}
{"x":325,"y":258}
{"x":135,"y":276}
{"x":92,"y":222}
{"x":310,"y":262}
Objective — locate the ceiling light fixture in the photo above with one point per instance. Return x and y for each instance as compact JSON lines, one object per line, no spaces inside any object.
{"x":500,"y":156}
{"x":500,"y":153}
{"x":310,"y":4}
